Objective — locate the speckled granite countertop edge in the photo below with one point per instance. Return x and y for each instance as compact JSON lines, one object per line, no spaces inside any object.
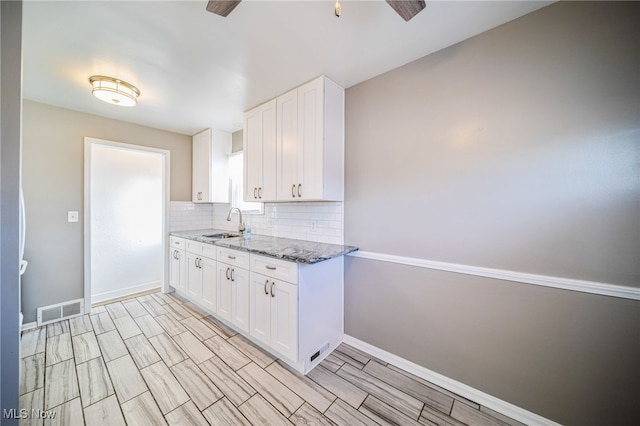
{"x":300,"y":251}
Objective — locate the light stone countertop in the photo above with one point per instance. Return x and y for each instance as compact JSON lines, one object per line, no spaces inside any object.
{"x":300,"y":251}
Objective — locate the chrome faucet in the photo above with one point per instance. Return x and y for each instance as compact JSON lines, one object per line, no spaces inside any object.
{"x":241,"y":226}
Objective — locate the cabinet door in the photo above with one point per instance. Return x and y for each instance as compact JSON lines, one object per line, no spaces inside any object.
{"x":287,"y":146}
{"x":201,"y":167}
{"x":194,"y":276}
{"x":177,"y":271}
{"x":252,"y":147}
{"x":310,"y":139}
{"x":260,"y":307}
{"x":269,"y":152}
{"x":259,"y":145}
{"x":284,"y":318}
{"x":209,"y":280}
{"x":240,"y":298}
{"x":223,"y":302}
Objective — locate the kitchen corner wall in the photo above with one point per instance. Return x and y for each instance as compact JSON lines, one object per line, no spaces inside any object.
{"x":52,"y":179}
{"x":312,"y":221}
{"x":516,"y":150}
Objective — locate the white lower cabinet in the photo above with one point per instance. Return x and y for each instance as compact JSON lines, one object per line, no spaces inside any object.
{"x":233,"y":287}
{"x":177,"y":263}
{"x":209,"y":283}
{"x":294,"y":311}
{"x":201,"y":275}
{"x":273,"y":313}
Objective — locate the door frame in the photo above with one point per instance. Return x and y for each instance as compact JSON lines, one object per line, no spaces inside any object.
{"x":89,"y":142}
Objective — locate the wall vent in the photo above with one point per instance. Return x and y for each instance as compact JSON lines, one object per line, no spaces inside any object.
{"x":60,"y":311}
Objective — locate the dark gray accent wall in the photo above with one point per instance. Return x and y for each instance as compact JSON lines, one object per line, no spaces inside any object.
{"x":518,"y":149}
{"x":10,"y":140}
{"x":53,"y":175}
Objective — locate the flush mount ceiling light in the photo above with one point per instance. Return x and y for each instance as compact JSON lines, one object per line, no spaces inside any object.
{"x":114,"y":91}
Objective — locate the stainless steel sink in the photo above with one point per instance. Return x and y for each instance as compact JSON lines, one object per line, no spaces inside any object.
{"x":222,"y":235}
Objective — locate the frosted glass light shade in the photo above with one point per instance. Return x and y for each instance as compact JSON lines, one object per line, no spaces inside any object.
{"x":114,"y":91}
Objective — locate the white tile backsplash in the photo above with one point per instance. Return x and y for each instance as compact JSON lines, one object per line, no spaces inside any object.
{"x":185,"y":215}
{"x":312,"y":221}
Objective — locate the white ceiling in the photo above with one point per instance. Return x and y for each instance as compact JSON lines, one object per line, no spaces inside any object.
{"x":197,"y":70}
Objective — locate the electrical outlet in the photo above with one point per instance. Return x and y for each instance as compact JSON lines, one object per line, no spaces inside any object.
{"x":72,"y":216}
{"x":314,"y":226}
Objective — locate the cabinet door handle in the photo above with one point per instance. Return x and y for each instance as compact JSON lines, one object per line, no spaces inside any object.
{"x":266,"y":283}
{"x":199,"y":263}
{"x":299,"y":190}
{"x":231,"y":257}
{"x":232,"y":277}
{"x":273,"y":268}
{"x":260,"y":192}
{"x":174,"y":254}
{"x":273,"y":284}
{"x":254,"y":192}
{"x":227,"y":274}
{"x":293,"y":190}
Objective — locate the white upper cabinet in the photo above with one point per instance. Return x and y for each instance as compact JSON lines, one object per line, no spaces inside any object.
{"x":310,"y":142}
{"x":309,"y":145}
{"x":210,"y":182}
{"x":259,"y":145}
{"x":287,"y":146}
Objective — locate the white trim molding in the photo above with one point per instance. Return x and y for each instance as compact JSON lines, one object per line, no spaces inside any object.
{"x":602,"y":289}
{"x":475,"y":395}
{"x":29,"y":326}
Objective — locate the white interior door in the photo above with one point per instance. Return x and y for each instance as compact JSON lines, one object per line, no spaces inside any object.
{"x":125,"y":189}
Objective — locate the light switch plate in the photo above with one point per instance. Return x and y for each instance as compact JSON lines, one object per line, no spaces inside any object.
{"x":72,"y":216}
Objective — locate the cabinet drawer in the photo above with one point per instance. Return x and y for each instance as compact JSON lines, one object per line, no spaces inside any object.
{"x":201,"y":249}
{"x":193,"y":247}
{"x":177,"y":242}
{"x":209,"y":250}
{"x":276,"y":268}
{"x":233,"y":257}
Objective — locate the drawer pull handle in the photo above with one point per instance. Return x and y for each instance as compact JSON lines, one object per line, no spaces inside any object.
{"x":272,"y":285}
{"x":266,"y":291}
{"x":231,"y":257}
{"x":273,"y":268}
{"x":177,"y":243}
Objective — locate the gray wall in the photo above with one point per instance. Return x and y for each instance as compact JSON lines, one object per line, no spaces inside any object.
{"x":518,"y":150}
{"x":10,"y":120}
{"x":53,"y":174}
{"x":236,"y":141}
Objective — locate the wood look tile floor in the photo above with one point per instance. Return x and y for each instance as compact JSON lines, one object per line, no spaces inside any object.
{"x":157,"y":359}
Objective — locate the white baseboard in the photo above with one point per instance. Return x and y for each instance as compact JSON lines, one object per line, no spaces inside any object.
{"x":451,"y":385}
{"x":116,"y":294}
{"x":603,"y":289}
